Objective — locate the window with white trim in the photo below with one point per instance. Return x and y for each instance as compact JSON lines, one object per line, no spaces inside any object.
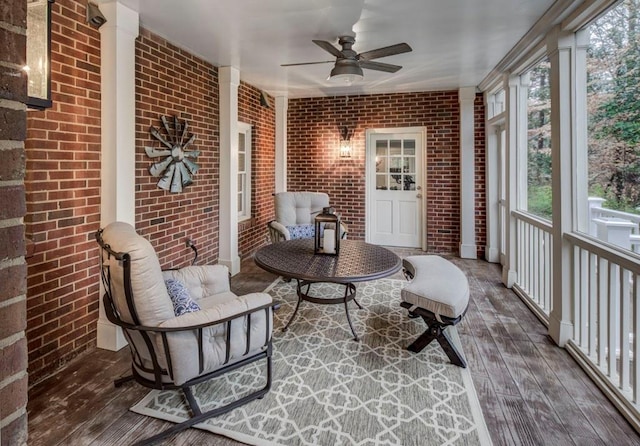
{"x":244,"y":171}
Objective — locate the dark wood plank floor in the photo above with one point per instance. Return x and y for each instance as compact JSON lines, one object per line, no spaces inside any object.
{"x":531,"y":392}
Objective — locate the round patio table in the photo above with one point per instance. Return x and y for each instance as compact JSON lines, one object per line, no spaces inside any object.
{"x":357,"y":261}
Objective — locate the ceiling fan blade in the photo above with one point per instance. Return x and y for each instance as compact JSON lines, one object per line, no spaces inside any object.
{"x":398,"y":48}
{"x":305,"y":63}
{"x":379,"y":66}
{"x":327,"y":46}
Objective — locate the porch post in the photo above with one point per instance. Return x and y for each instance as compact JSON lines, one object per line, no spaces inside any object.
{"x":281,"y":143}
{"x":229,"y":80}
{"x":512,"y":95}
{"x":468,"y":249}
{"x":118,"y":111}
{"x":583,"y":202}
{"x":561,"y":50}
{"x":492,"y":250}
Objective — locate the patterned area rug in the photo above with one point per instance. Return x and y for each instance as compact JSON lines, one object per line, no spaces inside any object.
{"x":330,"y":390}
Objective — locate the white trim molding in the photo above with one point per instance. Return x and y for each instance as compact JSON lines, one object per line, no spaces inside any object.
{"x":117,"y":72}
{"x":229,"y":80}
{"x":282,"y":105}
{"x":468,"y":248}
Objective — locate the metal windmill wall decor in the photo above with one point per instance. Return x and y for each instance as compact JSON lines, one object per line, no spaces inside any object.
{"x":178,"y":164}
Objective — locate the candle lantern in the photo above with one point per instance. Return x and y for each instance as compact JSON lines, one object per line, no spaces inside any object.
{"x":327,"y":232}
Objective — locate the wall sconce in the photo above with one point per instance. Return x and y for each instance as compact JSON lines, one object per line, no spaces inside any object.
{"x":38,"y":67}
{"x":345,"y":143}
{"x":94,"y":16}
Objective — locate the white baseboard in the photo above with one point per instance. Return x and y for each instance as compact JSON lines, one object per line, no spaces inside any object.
{"x":492,"y":254}
{"x":468,"y":251}
{"x":233,"y":265}
{"x":110,"y":337}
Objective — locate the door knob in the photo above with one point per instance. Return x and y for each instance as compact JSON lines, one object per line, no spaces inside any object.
{"x":419,"y":196}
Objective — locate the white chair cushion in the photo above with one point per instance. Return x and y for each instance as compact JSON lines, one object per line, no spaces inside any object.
{"x":438,"y":286}
{"x":152,"y":302}
{"x":184,"y":346}
{"x":201,"y":281}
{"x":299,"y":208}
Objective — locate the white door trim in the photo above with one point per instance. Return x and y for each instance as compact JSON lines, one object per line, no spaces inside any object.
{"x":369,"y":185}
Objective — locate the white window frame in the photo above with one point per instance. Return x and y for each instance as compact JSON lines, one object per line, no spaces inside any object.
{"x":245,"y":190}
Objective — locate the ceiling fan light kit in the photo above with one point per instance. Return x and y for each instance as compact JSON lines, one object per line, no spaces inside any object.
{"x":346,"y":71}
{"x":349,"y":64}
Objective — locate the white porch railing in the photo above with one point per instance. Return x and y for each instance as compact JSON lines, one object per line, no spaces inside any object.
{"x":617,"y":227}
{"x":606,"y":318}
{"x":606,"y":292}
{"x":534,"y":265}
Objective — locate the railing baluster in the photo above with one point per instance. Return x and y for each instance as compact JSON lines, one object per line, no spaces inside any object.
{"x":593,"y":304}
{"x":636,"y":344}
{"x":602,"y":311}
{"x":520,"y":254}
{"x":528,"y":259}
{"x":612,"y":306}
{"x":582,"y":298}
{"x":625,"y":312}
{"x":533,"y":242}
{"x":578,"y":279}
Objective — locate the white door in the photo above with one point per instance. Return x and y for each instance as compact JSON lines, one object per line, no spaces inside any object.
{"x":394,"y":188}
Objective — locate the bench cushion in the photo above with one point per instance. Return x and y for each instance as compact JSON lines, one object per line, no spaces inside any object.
{"x":438,"y":286}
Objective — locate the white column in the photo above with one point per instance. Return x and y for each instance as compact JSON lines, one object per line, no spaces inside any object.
{"x":522,"y":144}
{"x":560,"y":47}
{"x":117,"y":72}
{"x":282,"y":105}
{"x":467,"y":96}
{"x":583,"y":205}
{"x":229,"y":80}
{"x":512,"y":95}
{"x":492,"y":169}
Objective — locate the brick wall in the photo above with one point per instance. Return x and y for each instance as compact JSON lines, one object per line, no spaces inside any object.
{"x":170,"y":81}
{"x":13,"y":270}
{"x":63,"y":197}
{"x":314,"y":162}
{"x":253,"y":233}
{"x":62,"y":182}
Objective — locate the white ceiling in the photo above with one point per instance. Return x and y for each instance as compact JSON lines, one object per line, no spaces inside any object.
{"x":455,"y":43}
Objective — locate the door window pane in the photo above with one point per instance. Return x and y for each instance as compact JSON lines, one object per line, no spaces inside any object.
{"x":395,"y":147}
{"x":409,"y":147}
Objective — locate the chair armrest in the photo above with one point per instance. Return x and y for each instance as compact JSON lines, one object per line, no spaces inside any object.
{"x":220,"y":313}
{"x":195,"y":320}
{"x":216,"y":336}
{"x":278,"y":232}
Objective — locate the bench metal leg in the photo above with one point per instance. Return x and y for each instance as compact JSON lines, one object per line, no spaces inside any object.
{"x":436,"y":330}
{"x":450,"y":349}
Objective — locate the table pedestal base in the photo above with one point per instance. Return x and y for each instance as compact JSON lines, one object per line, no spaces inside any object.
{"x":349,"y":295}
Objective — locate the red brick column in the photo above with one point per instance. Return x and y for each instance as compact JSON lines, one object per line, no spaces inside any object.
{"x":13,"y":269}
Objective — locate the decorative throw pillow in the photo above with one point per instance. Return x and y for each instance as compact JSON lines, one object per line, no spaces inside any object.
{"x":182,"y":302}
{"x":301,"y":231}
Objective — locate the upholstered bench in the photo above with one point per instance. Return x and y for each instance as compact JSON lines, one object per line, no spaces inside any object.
{"x":439,"y":293}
